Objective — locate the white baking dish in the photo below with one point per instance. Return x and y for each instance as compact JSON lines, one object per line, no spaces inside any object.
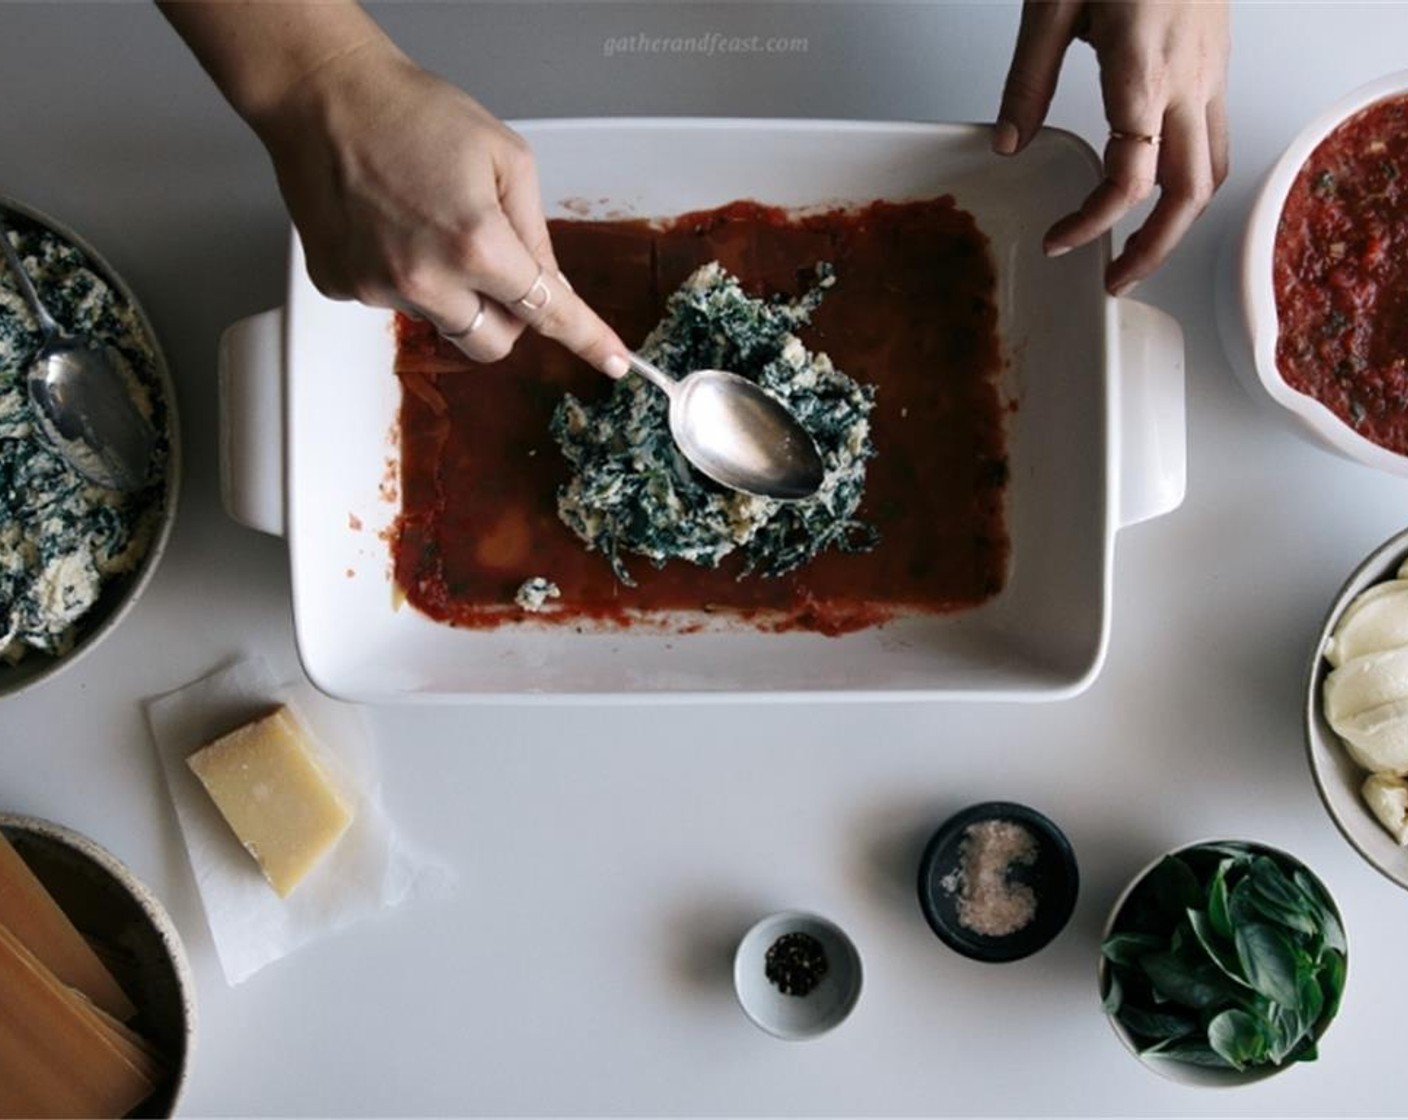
{"x":1096,"y":442}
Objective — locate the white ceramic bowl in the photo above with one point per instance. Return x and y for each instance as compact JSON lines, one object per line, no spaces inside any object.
{"x":108,"y":903}
{"x":1337,"y":776}
{"x":1182,"y":1072}
{"x":1246,"y":312}
{"x":795,"y":1017}
{"x":122,"y":592}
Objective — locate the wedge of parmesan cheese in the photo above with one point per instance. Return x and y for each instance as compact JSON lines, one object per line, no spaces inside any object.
{"x":269,"y":785}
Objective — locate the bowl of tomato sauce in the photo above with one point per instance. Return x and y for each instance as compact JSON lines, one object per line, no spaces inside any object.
{"x":1323,"y":280}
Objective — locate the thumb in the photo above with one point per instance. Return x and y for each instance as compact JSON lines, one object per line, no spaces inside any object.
{"x":1046,"y":31}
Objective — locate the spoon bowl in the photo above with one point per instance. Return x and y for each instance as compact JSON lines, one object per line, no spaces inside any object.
{"x":84,"y":397}
{"x":736,"y":433}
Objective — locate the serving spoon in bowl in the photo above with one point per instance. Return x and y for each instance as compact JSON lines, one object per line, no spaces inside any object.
{"x":82,"y":395}
{"x":735,"y":433}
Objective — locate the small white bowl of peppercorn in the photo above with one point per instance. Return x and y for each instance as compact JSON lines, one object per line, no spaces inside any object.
{"x":797,"y":975}
{"x":1314,"y":321}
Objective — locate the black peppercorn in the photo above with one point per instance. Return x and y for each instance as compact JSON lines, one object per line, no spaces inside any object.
{"x":795,"y":963}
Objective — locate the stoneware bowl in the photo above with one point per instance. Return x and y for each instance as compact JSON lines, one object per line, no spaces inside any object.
{"x":1053,"y":878}
{"x":1182,"y":1072}
{"x":1246,"y":307}
{"x":1337,"y":777}
{"x":795,"y":1017}
{"x":110,"y":906}
{"x":122,"y":592}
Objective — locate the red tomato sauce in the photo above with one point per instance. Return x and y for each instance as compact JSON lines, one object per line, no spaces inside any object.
{"x":1341,"y":273}
{"x":912,"y":311}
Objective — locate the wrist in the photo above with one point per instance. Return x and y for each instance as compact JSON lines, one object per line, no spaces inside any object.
{"x":332,"y":101}
{"x":262,"y":54}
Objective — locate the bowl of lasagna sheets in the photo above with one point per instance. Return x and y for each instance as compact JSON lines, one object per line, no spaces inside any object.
{"x":988,"y":419}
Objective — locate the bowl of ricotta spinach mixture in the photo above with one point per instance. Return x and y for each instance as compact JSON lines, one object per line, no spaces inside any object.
{"x":73,"y":556}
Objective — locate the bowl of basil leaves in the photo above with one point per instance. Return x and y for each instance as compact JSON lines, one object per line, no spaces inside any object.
{"x":1223,"y":963}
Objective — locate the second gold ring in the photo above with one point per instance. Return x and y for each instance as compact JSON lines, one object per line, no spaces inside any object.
{"x":538,"y":296}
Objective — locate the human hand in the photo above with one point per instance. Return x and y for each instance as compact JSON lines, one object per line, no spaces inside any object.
{"x":407,"y":193}
{"x":1163,"y":75}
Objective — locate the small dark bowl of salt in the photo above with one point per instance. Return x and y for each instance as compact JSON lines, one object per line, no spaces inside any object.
{"x":998,"y":881}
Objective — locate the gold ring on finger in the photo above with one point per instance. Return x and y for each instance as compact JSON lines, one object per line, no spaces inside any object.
{"x":1150,"y":138}
{"x":474,"y":325}
{"x":538,"y":296}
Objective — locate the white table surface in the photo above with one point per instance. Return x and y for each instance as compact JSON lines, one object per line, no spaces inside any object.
{"x":610,"y":856}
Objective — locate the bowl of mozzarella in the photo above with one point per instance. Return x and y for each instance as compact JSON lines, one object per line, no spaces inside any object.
{"x":1356,"y":709}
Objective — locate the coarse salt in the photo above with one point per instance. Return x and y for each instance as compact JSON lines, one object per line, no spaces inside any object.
{"x":990,"y":902}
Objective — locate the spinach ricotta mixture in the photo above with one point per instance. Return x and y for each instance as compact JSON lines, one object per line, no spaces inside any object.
{"x":61,"y":537}
{"x":534,"y":594}
{"x":631,"y":491}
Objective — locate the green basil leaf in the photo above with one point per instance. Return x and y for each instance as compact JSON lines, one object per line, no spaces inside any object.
{"x":1285,"y":1032}
{"x":1194,"y":1053}
{"x":1173,"y":887}
{"x":1231,"y":851}
{"x":1127,"y":948}
{"x":1279,"y":899}
{"x":1195,"y":983}
{"x":1333,"y":968}
{"x":1114,"y":993}
{"x":1238,"y":1038}
{"x":1291,"y":1027}
{"x":1218,"y":913}
{"x":1221,"y":953}
{"x":1330,"y":928}
{"x":1268,"y":962}
{"x":1157,"y":1026}
{"x":1312,"y":1000}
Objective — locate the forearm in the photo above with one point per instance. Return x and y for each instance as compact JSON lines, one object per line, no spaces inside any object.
{"x":259,"y":51}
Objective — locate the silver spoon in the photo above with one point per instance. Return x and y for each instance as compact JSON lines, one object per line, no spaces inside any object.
{"x":736,"y":434}
{"x":82,"y":396}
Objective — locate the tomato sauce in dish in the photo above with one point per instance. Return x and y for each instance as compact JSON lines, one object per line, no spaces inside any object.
{"x":913,"y":311}
{"x":1341,"y":275}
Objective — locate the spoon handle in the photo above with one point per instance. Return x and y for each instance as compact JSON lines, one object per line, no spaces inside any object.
{"x":31,"y":297}
{"x":654,"y":374}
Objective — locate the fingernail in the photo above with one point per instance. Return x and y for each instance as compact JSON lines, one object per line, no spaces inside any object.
{"x":1005,"y":138}
{"x":1124,"y":289}
{"x":566,"y":283}
{"x":616,"y":367}
{"x":1055,"y":250}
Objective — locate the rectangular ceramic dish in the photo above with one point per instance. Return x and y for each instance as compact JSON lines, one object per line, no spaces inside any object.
{"x":1095,"y":442}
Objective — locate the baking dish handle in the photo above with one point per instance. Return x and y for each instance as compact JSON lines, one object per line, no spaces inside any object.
{"x":1152,"y":432}
{"x":252,"y":421}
